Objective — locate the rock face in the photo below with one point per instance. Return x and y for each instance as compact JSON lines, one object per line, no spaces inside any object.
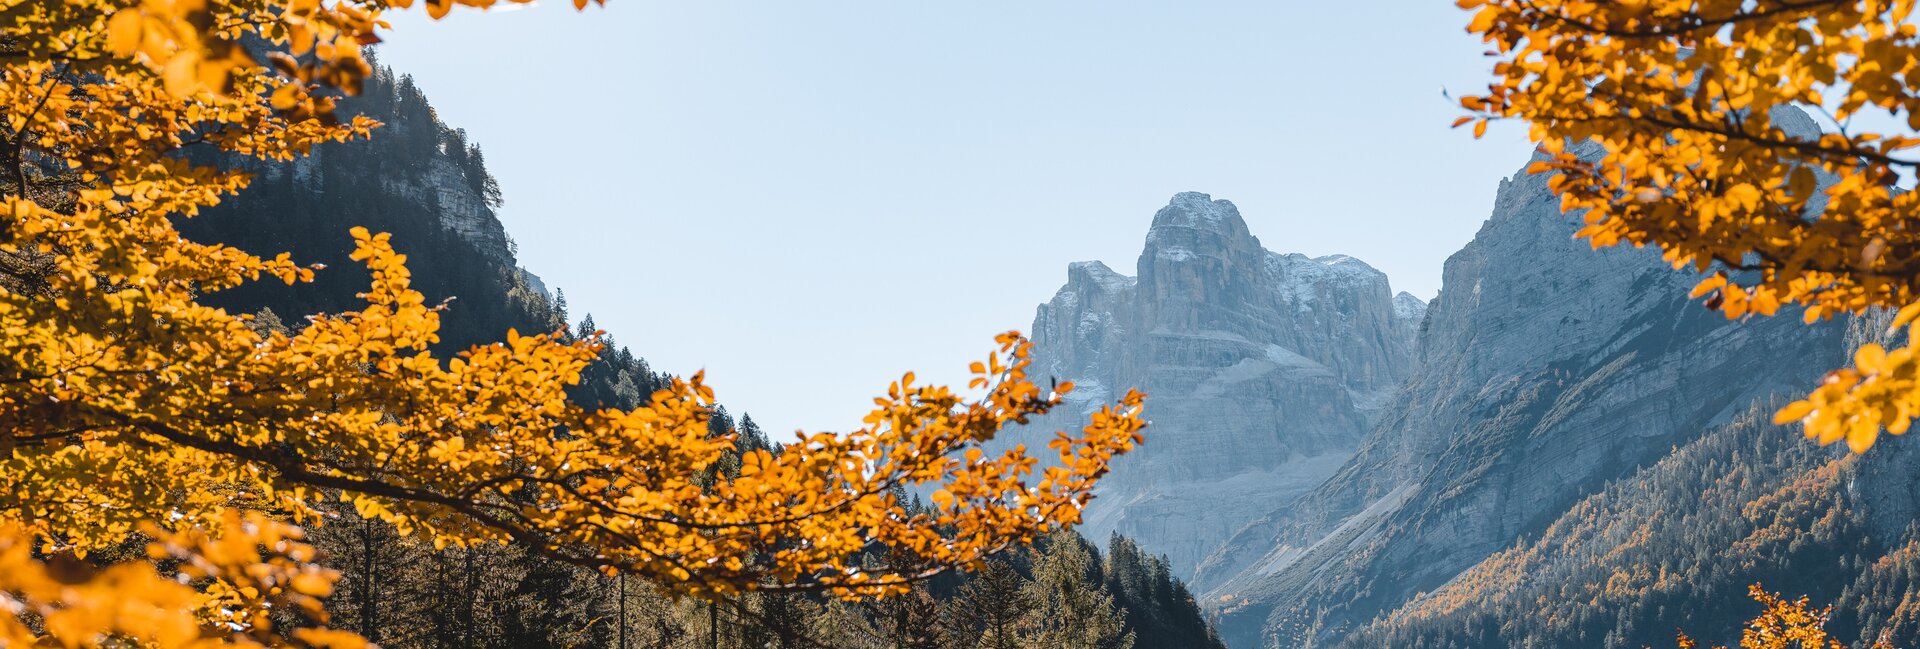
{"x":1544,"y":370}
{"x":1263,"y":370}
{"x":435,"y":182}
{"x":461,"y":209}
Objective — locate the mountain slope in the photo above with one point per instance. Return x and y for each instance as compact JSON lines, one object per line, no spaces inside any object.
{"x":1545,"y":370}
{"x":418,"y":179}
{"x":1263,"y":371}
{"x":1673,"y":547}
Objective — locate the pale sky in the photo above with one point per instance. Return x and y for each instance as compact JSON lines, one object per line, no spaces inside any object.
{"x":808,"y":197}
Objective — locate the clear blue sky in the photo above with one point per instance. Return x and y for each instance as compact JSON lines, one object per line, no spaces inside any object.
{"x":809,"y":197}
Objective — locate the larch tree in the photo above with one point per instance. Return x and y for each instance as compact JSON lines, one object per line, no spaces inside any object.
{"x":1680,"y":96}
{"x":1785,"y":624}
{"x":127,"y":405}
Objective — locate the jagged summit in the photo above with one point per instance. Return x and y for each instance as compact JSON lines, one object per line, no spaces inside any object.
{"x":1263,"y":368}
{"x":1201,"y":217}
{"x":1194,"y":209}
{"x":1408,"y":307}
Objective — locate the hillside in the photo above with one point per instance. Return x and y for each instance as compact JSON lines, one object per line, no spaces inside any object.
{"x":1673,"y":546}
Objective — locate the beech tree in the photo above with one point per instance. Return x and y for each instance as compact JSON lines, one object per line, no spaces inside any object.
{"x":127,"y":405}
{"x":1680,"y":96}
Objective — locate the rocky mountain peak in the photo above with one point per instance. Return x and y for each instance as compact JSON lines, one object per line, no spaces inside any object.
{"x":1263,"y":371}
{"x":1194,"y":223}
{"x":1408,"y":307}
{"x":1545,"y":370}
{"x":1200,"y":211}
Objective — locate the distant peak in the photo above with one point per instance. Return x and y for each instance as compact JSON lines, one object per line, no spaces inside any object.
{"x":1197,"y":210}
{"x":1408,"y":307}
{"x":1196,"y":219}
{"x":1090,"y":267}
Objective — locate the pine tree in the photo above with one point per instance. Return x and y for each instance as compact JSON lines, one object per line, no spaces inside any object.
{"x":551,"y":605}
{"x":989,"y":608}
{"x":778,"y":621}
{"x":557,"y":319}
{"x":1159,"y":611}
{"x":751,"y":437}
{"x":910,"y":621}
{"x":1068,"y":608}
{"x":384,"y":594}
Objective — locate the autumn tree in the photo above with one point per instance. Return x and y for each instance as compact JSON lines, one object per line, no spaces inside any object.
{"x":1685,"y":101}
{"x":1785,"y":624}
{"x":227,"y":587}
{"x":127,"y":404}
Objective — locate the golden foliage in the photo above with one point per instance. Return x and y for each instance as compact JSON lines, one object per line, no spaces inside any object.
{"x":1680,"y":96}
{"x":1785,"y":624}
{"x":125,"y":401}
{"x":230,"y":585}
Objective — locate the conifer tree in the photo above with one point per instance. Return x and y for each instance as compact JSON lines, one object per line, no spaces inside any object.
{"x":383,"y":593}
{"x":990,"y":608}
{"x":751,"y":437}
{"x":779,"y":621}
{"x":1068,"y":609}
{"x":1159,"y":611}
{"x":910,"y":621}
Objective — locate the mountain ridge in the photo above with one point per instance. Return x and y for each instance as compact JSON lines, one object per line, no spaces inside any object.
{"x":1545,"y":370}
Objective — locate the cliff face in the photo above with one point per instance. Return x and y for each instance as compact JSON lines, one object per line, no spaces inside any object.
{"x":418,"y":159}
{"x":1545,"y":370}
{"x":1263,"y":371}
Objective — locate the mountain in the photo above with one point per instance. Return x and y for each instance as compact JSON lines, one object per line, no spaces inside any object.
{"x":1674,"y":545}
{"x":1545,"y":371}
{"x":1263,"y":371}
{"x":418,"y":179}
